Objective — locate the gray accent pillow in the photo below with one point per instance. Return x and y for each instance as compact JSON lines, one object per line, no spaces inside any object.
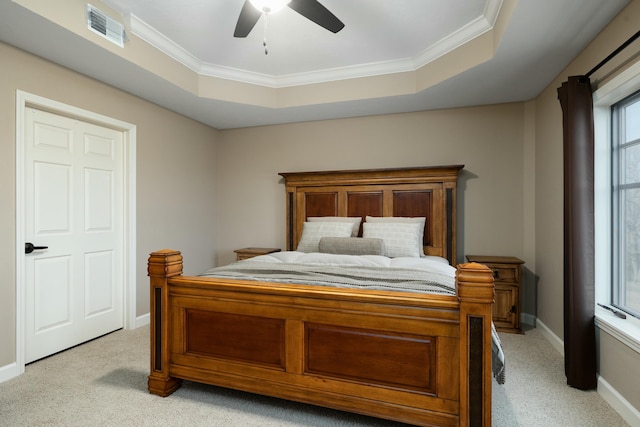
{"x":351,"y":246}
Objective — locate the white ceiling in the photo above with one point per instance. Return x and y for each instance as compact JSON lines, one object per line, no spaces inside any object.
{"x":375,"y":32}
{"x":380,"y":36}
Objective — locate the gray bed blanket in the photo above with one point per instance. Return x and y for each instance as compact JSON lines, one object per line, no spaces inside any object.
{"x":350,"y":276}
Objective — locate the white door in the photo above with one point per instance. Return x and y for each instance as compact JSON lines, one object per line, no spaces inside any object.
{"x":74,"y":289}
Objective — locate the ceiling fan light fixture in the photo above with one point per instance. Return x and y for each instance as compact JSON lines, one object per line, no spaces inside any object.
{"x":269,"y":6}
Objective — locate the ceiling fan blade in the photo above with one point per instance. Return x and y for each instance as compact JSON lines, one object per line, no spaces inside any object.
{"x":249,"y":15}
{"x":317,"y":13}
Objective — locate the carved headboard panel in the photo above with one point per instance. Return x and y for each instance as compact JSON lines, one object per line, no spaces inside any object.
{"x":409,"y":192}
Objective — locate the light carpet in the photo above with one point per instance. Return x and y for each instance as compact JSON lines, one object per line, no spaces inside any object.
{"x":103,"y":383}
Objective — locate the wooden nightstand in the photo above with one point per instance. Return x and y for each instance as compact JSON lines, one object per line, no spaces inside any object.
{"x":245,"y":253}
{"x":507,"y":276}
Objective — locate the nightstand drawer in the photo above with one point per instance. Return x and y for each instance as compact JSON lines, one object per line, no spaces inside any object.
{"x":505,"y":274}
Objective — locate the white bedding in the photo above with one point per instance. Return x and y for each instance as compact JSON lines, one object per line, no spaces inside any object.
{"x":427,"y":263}
{"x":427,"y":275}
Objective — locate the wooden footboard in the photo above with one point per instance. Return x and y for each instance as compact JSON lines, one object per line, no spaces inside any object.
{"x":418,"y":359}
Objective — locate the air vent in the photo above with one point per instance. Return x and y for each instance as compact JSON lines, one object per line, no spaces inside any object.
{"x":107,"y":27}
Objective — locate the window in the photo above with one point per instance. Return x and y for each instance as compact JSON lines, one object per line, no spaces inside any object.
{"x":625,"y":292}
{"x":620,"y":92}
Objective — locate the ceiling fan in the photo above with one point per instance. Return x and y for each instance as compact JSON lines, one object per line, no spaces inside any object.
{"x":252,"y":10}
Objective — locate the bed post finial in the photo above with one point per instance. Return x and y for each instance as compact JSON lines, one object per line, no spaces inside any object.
{"x":475,"y":289}
{"x":162,"y":265}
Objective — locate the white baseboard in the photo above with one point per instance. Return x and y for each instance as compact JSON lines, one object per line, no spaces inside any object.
{"x":143,"y":320}
{"x":528,"y":319}
{"x":9,"y":371}
{"x":618,"y":402}
{"x":605,"y":390}
{"x":555,"y":340}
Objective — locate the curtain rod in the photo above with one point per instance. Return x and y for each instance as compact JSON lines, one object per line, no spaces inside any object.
{"x":614,"y":53}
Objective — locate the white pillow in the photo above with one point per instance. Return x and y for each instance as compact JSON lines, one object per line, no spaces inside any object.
{"x":400,"y":238}
{"x":404,"y":219}
{"x":312,"y":232}
{"x":355,"y":220}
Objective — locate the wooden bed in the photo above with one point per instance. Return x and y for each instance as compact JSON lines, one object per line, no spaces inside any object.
{"x":422,"y":359}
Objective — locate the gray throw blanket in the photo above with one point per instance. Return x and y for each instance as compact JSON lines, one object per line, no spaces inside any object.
{"x":350,"y":276}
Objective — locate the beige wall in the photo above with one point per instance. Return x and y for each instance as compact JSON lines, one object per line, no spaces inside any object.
{"x":620,"y":372}
{"x":207,"y":192}
{"x":175,"y":174}
{"x":487,"y":140}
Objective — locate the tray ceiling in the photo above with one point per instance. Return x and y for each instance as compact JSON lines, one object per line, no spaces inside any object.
{"x":392,"y":56}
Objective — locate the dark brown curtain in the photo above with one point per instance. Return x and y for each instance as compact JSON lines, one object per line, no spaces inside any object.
{"x":575,"y":97}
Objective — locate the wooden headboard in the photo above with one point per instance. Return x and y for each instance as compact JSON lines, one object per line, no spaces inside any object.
{"x":408,"y":192}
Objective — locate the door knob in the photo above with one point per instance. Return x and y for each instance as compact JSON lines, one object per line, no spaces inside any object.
{"x":29,"y":247}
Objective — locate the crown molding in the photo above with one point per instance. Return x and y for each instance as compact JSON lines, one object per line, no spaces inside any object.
{"x":458,"y":38}
{"x":146,"y":32}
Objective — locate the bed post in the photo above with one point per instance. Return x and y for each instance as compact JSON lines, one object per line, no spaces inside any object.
{"x":291,"y":225}
{"x":475,"y":290}
{"x":162,"y":265}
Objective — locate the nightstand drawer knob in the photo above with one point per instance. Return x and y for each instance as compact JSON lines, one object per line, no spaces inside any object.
{"x":496,"y":274}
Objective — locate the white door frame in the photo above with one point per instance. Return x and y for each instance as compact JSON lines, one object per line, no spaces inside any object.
{"x":24,"y":100}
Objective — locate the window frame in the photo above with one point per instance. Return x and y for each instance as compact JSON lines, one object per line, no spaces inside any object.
{"x":619,"y":187}
{"x":613,"y":91}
